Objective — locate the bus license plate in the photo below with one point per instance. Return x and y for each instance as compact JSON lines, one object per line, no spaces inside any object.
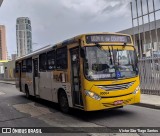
{"x":118,"y":102}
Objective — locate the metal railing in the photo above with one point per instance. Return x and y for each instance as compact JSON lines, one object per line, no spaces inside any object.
{"x":149,"y":70}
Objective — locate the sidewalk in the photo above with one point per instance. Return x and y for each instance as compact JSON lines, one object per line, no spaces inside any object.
{"x":149,"y":101}
{"x":8,"y":82}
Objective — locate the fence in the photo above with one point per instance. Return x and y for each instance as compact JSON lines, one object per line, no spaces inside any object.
{"x":149,"y":70}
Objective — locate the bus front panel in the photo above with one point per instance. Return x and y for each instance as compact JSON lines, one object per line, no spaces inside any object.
{"x":110,"y":77}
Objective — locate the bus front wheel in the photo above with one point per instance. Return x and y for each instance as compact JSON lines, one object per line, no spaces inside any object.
{"x":63,"y":102}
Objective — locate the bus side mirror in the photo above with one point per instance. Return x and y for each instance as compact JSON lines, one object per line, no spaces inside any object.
{"x":82,"y":52}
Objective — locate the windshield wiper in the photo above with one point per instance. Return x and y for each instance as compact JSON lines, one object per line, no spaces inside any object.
{"x":110,"y":56}
{"x":101,"y":48}
{"x":118,"y":56}
{"x":113,"y":56}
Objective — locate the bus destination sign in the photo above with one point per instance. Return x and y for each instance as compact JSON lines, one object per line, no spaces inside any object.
{"x":102,"y":38}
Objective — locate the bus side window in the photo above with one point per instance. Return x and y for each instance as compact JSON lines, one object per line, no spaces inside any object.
{"x":61,"y":58}
{"x":42,"y":62}
{"x":23,"y":66}
{"x":29,"y":65}
{"x":51,"y":60}
{"x":17,"y":67}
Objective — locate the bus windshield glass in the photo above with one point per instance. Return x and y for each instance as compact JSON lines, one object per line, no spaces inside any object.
{"x":101,"y":64}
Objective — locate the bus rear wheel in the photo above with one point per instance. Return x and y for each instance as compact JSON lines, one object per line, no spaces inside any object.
{"x":63,"y":102}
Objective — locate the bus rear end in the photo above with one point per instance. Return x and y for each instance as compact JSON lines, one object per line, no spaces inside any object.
{"x":110,"y":72}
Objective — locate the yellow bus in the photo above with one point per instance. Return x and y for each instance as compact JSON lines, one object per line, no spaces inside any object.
{"x":93,"y":71}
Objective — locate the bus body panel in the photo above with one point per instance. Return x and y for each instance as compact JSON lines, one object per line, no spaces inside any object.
{"x":29,"y":83}
{"x":109,"y":97}
{"x":23,"y":81}
{"x":58,"y":84}
{"x":26,"y":80}
{"x":50,"y":82}
{"x":95,"y":86}
{"x":45,"y":86}
{"x":17,"y":80}
{"x":106,"y":103}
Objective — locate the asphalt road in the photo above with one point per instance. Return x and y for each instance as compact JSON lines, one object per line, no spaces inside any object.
{"x":17,"y":111}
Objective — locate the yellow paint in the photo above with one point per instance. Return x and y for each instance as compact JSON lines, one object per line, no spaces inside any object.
{"x":106,"y":103}
{"x":11,"y":73}
{"x":3,"y":61}
{"x":117,"y":47}
{"x":91,"y":104}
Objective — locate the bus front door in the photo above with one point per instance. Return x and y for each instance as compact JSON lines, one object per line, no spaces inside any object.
{"x":35,"y":77}
{"x":75,"y":77}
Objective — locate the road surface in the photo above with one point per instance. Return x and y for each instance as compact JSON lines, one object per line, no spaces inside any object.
{"x":17,"y":111}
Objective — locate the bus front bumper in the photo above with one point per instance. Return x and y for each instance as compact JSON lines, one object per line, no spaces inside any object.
{"x":106,"y":103}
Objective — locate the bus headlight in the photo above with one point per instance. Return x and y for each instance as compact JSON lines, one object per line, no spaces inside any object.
{"x":136,"y":90}
{"x":92,"y":95}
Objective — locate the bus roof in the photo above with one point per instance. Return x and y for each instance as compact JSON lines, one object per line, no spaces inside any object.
{"x":65,"y":42}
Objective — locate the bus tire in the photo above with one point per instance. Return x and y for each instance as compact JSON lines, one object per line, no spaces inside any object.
{"x":120,"y":107}
{"x":63,"y":101}
{"x":27,"y":92}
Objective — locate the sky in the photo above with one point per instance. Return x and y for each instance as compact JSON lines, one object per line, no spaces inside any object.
{"x":56,"y":20}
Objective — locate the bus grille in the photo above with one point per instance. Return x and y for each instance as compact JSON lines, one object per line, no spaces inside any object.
{"x":116,"y":86}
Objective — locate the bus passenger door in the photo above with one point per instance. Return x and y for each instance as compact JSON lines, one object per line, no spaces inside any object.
{"x":35,"y":77}
{"x":20,"y":76}
{"x":75,"y":77}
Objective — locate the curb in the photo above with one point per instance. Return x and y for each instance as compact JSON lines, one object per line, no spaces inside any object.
{"x":148,"y":105}
{"x":8,"y":83}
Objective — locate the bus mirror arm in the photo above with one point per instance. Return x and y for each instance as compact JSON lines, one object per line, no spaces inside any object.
{"x":39,"y":75}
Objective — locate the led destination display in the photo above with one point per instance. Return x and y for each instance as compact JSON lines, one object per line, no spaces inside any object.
{"x":107,"y":38}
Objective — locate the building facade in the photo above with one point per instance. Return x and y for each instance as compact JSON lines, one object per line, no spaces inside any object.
{"x":9,"y":70}
{"x":3,"y":47}
{"x":146,"y":37}
{"x":2,"y":68}
{"x":13,"y":56}
{"x":24,"y":36}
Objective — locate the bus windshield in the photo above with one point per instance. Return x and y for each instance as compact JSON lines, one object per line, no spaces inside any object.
{"x":101,"y":64}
